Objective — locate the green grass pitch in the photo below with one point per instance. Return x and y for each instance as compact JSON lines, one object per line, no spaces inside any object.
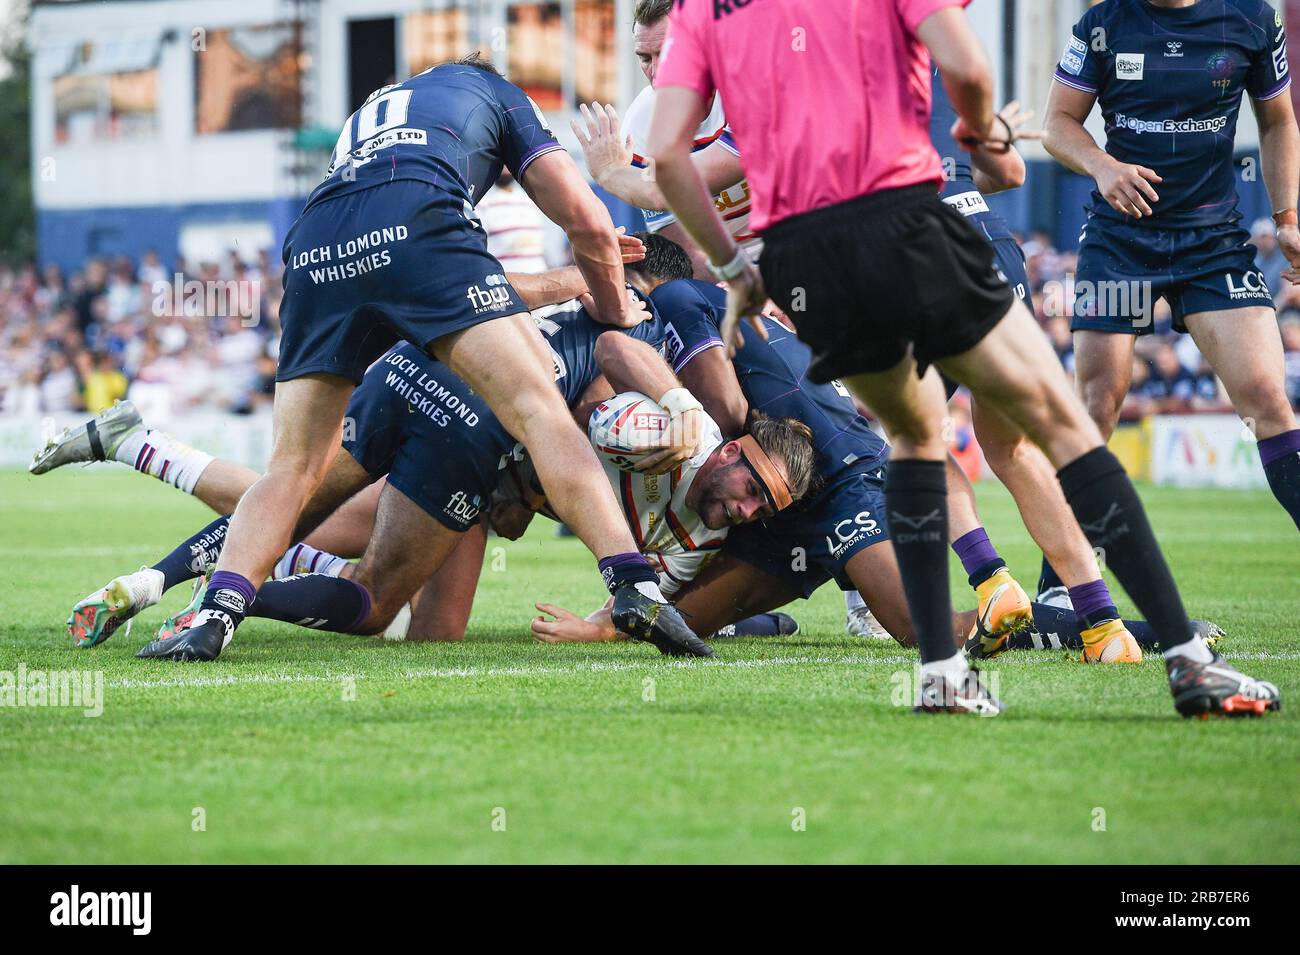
{"x":502,"y":750}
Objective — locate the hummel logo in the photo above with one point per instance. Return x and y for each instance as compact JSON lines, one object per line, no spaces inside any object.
{"x":1173,"y":46}
{"x":1100,"y":526}
{"x":916,"y":522}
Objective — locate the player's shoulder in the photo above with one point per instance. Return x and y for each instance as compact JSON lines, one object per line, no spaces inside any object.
{"x":1257,"y":13}
{"x":680,"y":296}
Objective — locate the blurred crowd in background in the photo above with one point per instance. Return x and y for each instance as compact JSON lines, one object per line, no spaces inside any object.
{"x":113,"y":328}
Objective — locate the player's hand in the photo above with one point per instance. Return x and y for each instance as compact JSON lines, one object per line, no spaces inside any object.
{"x":601,"y":139}
{"x":566,"y":627}
{"x":1288,"y":240}
{"x":630,"y":247}
{"x":680,"y":443}
{"x":1004,"y":131}
{"x":1127,"y":187}
{"x":635,"y":311}
{"x":745,"y":300}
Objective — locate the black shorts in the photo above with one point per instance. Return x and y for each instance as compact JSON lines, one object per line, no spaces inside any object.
{"x":866,"y":280}
{"x":368,"y":269}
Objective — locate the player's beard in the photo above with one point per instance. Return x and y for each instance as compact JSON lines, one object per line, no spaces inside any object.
{"x":712,"y":505}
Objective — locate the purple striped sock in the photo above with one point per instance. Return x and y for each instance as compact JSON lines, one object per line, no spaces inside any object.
{"x":1279,"y":446}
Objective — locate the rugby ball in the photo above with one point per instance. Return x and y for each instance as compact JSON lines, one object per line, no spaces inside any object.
{"x":627,"y":427}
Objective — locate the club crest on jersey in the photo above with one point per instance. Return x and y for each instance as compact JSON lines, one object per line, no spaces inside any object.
{"x":1130,"y":66}
{"x":1220,"y":68}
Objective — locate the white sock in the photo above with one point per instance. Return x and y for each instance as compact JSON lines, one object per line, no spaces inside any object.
{"x":853,"y":601}
{"x":954,"y":667}
{"x":305,"y":559}
{"x":1193,"y":649}
{"x":159,"y":455}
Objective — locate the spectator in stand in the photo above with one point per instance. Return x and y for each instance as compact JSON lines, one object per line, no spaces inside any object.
{"x":1170,"y":386}
{"x":1291,"y":347}
{"x":102,"y":381}
{"x":515,"y":227}
{"x":1269,"y":257}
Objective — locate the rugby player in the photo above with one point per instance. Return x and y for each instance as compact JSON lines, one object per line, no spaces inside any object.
{"x":1018,"y":463}
{"x":839,"y":234}
{"x":838,"y":532}
{"x":619,"y":166}
{"x":1163,"y":220}
{"x":388,"y":248}
{"x":441,"y":452}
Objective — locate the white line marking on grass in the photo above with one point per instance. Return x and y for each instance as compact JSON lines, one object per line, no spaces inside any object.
{"x":475,"y":671}
{"x":620,"y":666}
{"x":25,"y":552}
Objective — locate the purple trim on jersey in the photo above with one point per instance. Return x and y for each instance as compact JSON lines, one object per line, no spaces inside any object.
{"x":703,"y":346}
{"x":1065,"y":78}
{"x":1277,"y":90}
{"x":541,"y":150}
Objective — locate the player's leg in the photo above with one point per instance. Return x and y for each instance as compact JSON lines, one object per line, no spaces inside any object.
{"x":728,"y":590}
{"x":408,"y":545}
{"x":1015,"y":369}
{"x":912,"y":410}
{"x":440,"y":610}
{"x":1028,"y":475}
{"x":506,"y":361}
{"x":119,"y":434}
{"x":1244,"y":347}
{"x":308,"y":418}
{"x":1003,"y":603}
{"x":1103,"y":371}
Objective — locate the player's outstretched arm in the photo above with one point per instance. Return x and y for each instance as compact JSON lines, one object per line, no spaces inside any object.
{"x":564,"y":197}
{"x":539,"y":289}
{"x":609,"y":160}
{"x":568,"y":627}
{"x":711,"y":377}
{"x":1279,"y":153}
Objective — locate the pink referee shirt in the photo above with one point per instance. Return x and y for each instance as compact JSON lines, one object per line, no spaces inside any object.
{"x":828,"y":99}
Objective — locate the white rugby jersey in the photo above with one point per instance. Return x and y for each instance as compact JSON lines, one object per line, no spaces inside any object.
{"x":732,"y":203}
{"x":671,"y":535}
{"x":516,"y":229}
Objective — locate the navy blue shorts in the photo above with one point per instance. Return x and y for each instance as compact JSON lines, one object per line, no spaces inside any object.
{"x":1009,"y":259}
{"x":1127,"y":267}
{"x":414,"y":421}
{"x":813,"y":541}
{"x":368,"y":269}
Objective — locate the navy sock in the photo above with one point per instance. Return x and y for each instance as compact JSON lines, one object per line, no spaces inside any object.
{"x":619,"y":569}
{"x":314,"y":600}
{"x":228,"y":595}
{"x":1108,"y":509}
{"x":189,"y":559}
{"x":759,"y":625}
{"x":1280,"y":456}
{"x":1048,"y":578}
{"x":916,"y":500}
